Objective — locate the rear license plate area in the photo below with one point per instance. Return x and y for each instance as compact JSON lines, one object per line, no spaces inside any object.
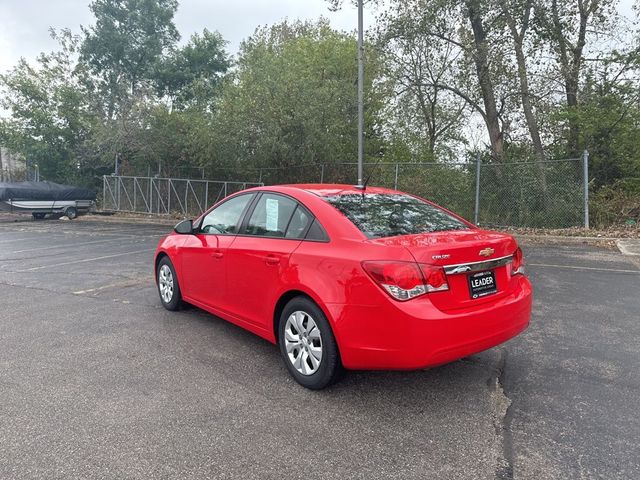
{"x":482,"y":284}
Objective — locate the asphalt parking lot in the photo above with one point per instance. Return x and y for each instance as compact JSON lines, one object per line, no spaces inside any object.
{"x":97,"y":380}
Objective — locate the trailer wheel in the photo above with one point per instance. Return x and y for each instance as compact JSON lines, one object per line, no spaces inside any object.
{"x":71,"y":212}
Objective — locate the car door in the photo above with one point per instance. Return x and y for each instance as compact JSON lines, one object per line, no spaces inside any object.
{"x":258,"y":259}
{"x":204,"y":253}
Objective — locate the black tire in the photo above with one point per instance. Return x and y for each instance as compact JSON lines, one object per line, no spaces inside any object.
{"x":330,"y":367}
{"x":71,"y":212}
{"x":174,"y":301}
{"x":38,"y":216}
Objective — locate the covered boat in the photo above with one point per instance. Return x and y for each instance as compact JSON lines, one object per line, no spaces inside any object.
{"x":42,"y":198}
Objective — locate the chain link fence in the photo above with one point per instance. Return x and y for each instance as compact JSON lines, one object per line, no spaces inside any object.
{"x":550,"y":194}
{"x":538,"y":195}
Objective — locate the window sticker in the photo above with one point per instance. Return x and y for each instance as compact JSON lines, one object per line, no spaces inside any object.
{"x":272,"y":215}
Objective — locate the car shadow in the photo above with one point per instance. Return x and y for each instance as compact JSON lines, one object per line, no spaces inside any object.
{"x":261,"y":360}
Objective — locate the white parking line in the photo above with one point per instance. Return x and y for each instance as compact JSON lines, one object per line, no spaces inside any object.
{"x":85,"y":260}
{"x":67,"y":245}
{"x":130,"y":283}
{"x":19,"y":239}
{"x":572,"y":267}
{"x":97,"y":289}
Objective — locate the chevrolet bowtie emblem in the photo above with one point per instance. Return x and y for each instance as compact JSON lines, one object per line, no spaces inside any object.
{"x":487,"y":252}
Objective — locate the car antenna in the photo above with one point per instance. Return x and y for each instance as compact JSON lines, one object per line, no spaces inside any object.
{"x":363,"y":187}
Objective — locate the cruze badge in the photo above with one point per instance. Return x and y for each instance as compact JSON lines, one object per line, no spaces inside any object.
{"x":487,"y":252}
{"x":444,"y":256}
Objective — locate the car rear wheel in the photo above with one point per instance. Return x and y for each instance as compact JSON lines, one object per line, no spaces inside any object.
{"x":307,"y":344}
{"x":168,"y":287}
{"x":71,"y":212}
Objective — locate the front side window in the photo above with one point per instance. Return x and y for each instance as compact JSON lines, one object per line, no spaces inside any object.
{"x":380,"y":215}
{"x":224,"y":219}
{"x":271,"y":216}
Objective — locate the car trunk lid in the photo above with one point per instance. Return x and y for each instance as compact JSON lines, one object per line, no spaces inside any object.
{"x":463,"y":254}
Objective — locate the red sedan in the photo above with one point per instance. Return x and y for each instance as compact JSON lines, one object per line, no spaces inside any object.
{"x":341,"y":277}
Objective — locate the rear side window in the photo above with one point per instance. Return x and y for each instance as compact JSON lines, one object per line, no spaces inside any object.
{"x":380,"y":215}
{"x":317,"y":233}
{"x":271,"y":216}
{"x":298,"y":223}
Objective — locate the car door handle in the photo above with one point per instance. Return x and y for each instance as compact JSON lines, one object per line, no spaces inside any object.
{"x":272,"y":260}
{"x":217,"y":254}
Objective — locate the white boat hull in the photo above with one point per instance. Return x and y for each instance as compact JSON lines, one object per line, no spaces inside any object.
{"x":44,"y":206}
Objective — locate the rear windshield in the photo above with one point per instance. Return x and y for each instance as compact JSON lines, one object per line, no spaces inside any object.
{"x":379,"y":215}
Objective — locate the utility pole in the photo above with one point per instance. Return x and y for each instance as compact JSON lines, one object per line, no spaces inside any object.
{"x":476,"y":211}
{"x":360,"y":92}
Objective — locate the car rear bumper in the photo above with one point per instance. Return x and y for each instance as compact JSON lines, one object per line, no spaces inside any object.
{"x":415,"y":334}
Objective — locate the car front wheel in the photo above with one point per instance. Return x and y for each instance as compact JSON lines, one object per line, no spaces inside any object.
{"x":307,"y":344}
{"x":168,"y":287}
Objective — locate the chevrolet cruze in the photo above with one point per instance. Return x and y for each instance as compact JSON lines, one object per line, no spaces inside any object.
{"x":341,"y":277}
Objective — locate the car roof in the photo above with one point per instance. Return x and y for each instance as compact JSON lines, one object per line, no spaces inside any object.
{"x":332,"y":189}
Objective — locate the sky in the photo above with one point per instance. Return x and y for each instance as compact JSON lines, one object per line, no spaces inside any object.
{"x":24,"y":24}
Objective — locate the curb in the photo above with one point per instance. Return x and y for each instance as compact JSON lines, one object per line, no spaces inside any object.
{"x":563,"y":239}
{"x":628,"y":246}
{"x":118,"y":219}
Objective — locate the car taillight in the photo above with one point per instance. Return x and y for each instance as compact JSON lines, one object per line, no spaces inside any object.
{"x":436,"y":279}
{"x":517,"y":263}
{"x":406,"y":280}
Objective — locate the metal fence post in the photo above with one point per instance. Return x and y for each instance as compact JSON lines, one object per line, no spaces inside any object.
{"x":322,"y":173}
{"x":395,"y":182}
{"x":186,"y":197}
{"x":585,"y":168}
{"x":476,"y":213}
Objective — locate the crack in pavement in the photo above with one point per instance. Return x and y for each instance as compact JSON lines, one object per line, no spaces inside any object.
{"x":503,"y":418}
{"x":502,"y":414}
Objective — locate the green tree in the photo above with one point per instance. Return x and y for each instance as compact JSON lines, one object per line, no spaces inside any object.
{"x":192,"y":74}
{"x":126,"y":44}
{"x":468,"y":39}
{"x":609,"y":118}
{"x":566,"y":28}
{"x":292,"y":100}
{"x":424,"y":115}
{"x":49,"y":116}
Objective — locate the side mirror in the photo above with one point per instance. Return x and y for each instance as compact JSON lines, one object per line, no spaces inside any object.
{"x":184,"y":228}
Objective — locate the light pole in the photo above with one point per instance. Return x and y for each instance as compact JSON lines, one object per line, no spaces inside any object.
{"x":360,"y":92}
